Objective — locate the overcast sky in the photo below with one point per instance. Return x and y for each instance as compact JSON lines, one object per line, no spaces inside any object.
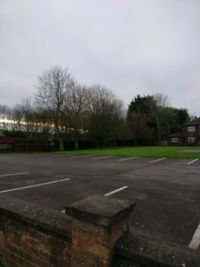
{"x":130,"y":46}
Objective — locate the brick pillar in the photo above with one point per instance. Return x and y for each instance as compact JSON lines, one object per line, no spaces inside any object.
{"x":98,"y":222}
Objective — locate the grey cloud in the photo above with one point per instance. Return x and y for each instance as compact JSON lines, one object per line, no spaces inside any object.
{"x":131,"y":46}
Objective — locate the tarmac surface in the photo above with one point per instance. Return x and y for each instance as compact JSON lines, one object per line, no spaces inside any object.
{"x":166,"y":191}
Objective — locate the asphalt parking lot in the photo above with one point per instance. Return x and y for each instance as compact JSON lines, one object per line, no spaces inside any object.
{"x":166,"y":191}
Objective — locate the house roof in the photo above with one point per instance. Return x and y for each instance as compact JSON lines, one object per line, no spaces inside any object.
{"x":193,"y":122}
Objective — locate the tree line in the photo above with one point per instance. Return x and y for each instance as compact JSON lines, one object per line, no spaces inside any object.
{"x":63,"y":109}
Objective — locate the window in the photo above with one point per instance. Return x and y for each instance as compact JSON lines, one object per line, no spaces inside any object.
{"x":191,"y":139}
{"x":191,"y":129}
{"x":175,"y":140}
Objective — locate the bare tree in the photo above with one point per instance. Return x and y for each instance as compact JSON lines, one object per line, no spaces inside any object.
{"x":52,"y":90}
{"x":104,"y":114}
{"x":32,"y":118}
{"x":161,"y":100}
{"x":17,"y":117}
{"x":5,"y":113}
{"x":76,"y":111}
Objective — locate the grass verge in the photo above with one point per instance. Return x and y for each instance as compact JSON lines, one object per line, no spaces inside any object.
{"x":142,"y":151}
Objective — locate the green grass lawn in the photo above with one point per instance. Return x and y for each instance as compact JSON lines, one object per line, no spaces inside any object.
{"x":142,"y":151}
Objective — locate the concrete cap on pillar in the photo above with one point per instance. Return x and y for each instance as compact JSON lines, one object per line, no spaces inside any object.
{"x":100,"y":210}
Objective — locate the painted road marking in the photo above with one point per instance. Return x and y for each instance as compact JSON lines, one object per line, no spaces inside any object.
{"x":194,"y":244}
{"x":13,"y":174}
{"x":80,"y":156}
{"x":126,"y":159}
{"x":103,"y":157}
{"x":193,"y":161}
{"x":156,"y":160}
{"x":115,"y":191}
{"x":35,"y":185}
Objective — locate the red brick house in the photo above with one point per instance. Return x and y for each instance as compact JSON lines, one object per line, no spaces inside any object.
{"x":190,"y":134}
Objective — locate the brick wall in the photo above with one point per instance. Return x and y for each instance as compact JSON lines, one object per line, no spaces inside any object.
{"x":92,"y":233}
{"x":33,"y":237}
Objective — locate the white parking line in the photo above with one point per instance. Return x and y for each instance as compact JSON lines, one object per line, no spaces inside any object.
{"x":156,"y":160}
{"x":115,"y":191}
{"x":34,"y":185}
{"x":194,"y":244}
{"x":192,"y":161}
{"x":14,"y":174}
{"x":103,"y":157}
{"x":126,"y":159}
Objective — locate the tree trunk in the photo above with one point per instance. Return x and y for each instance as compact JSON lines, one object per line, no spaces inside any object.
{"x":76,"y":144}
{"x":61,"y":143}
{"x":158,"y":130}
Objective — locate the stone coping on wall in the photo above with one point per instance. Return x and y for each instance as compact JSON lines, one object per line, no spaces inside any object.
{"x":43,"y":218}
{"x":101,"y":211}
{"x":145,"y":251}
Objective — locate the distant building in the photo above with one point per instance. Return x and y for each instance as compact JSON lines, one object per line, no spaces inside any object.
{"x":191,"y":132}
{"x":189,"y":135}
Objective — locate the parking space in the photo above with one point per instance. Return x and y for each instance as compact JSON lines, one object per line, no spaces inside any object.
{"x":167,"y":191}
